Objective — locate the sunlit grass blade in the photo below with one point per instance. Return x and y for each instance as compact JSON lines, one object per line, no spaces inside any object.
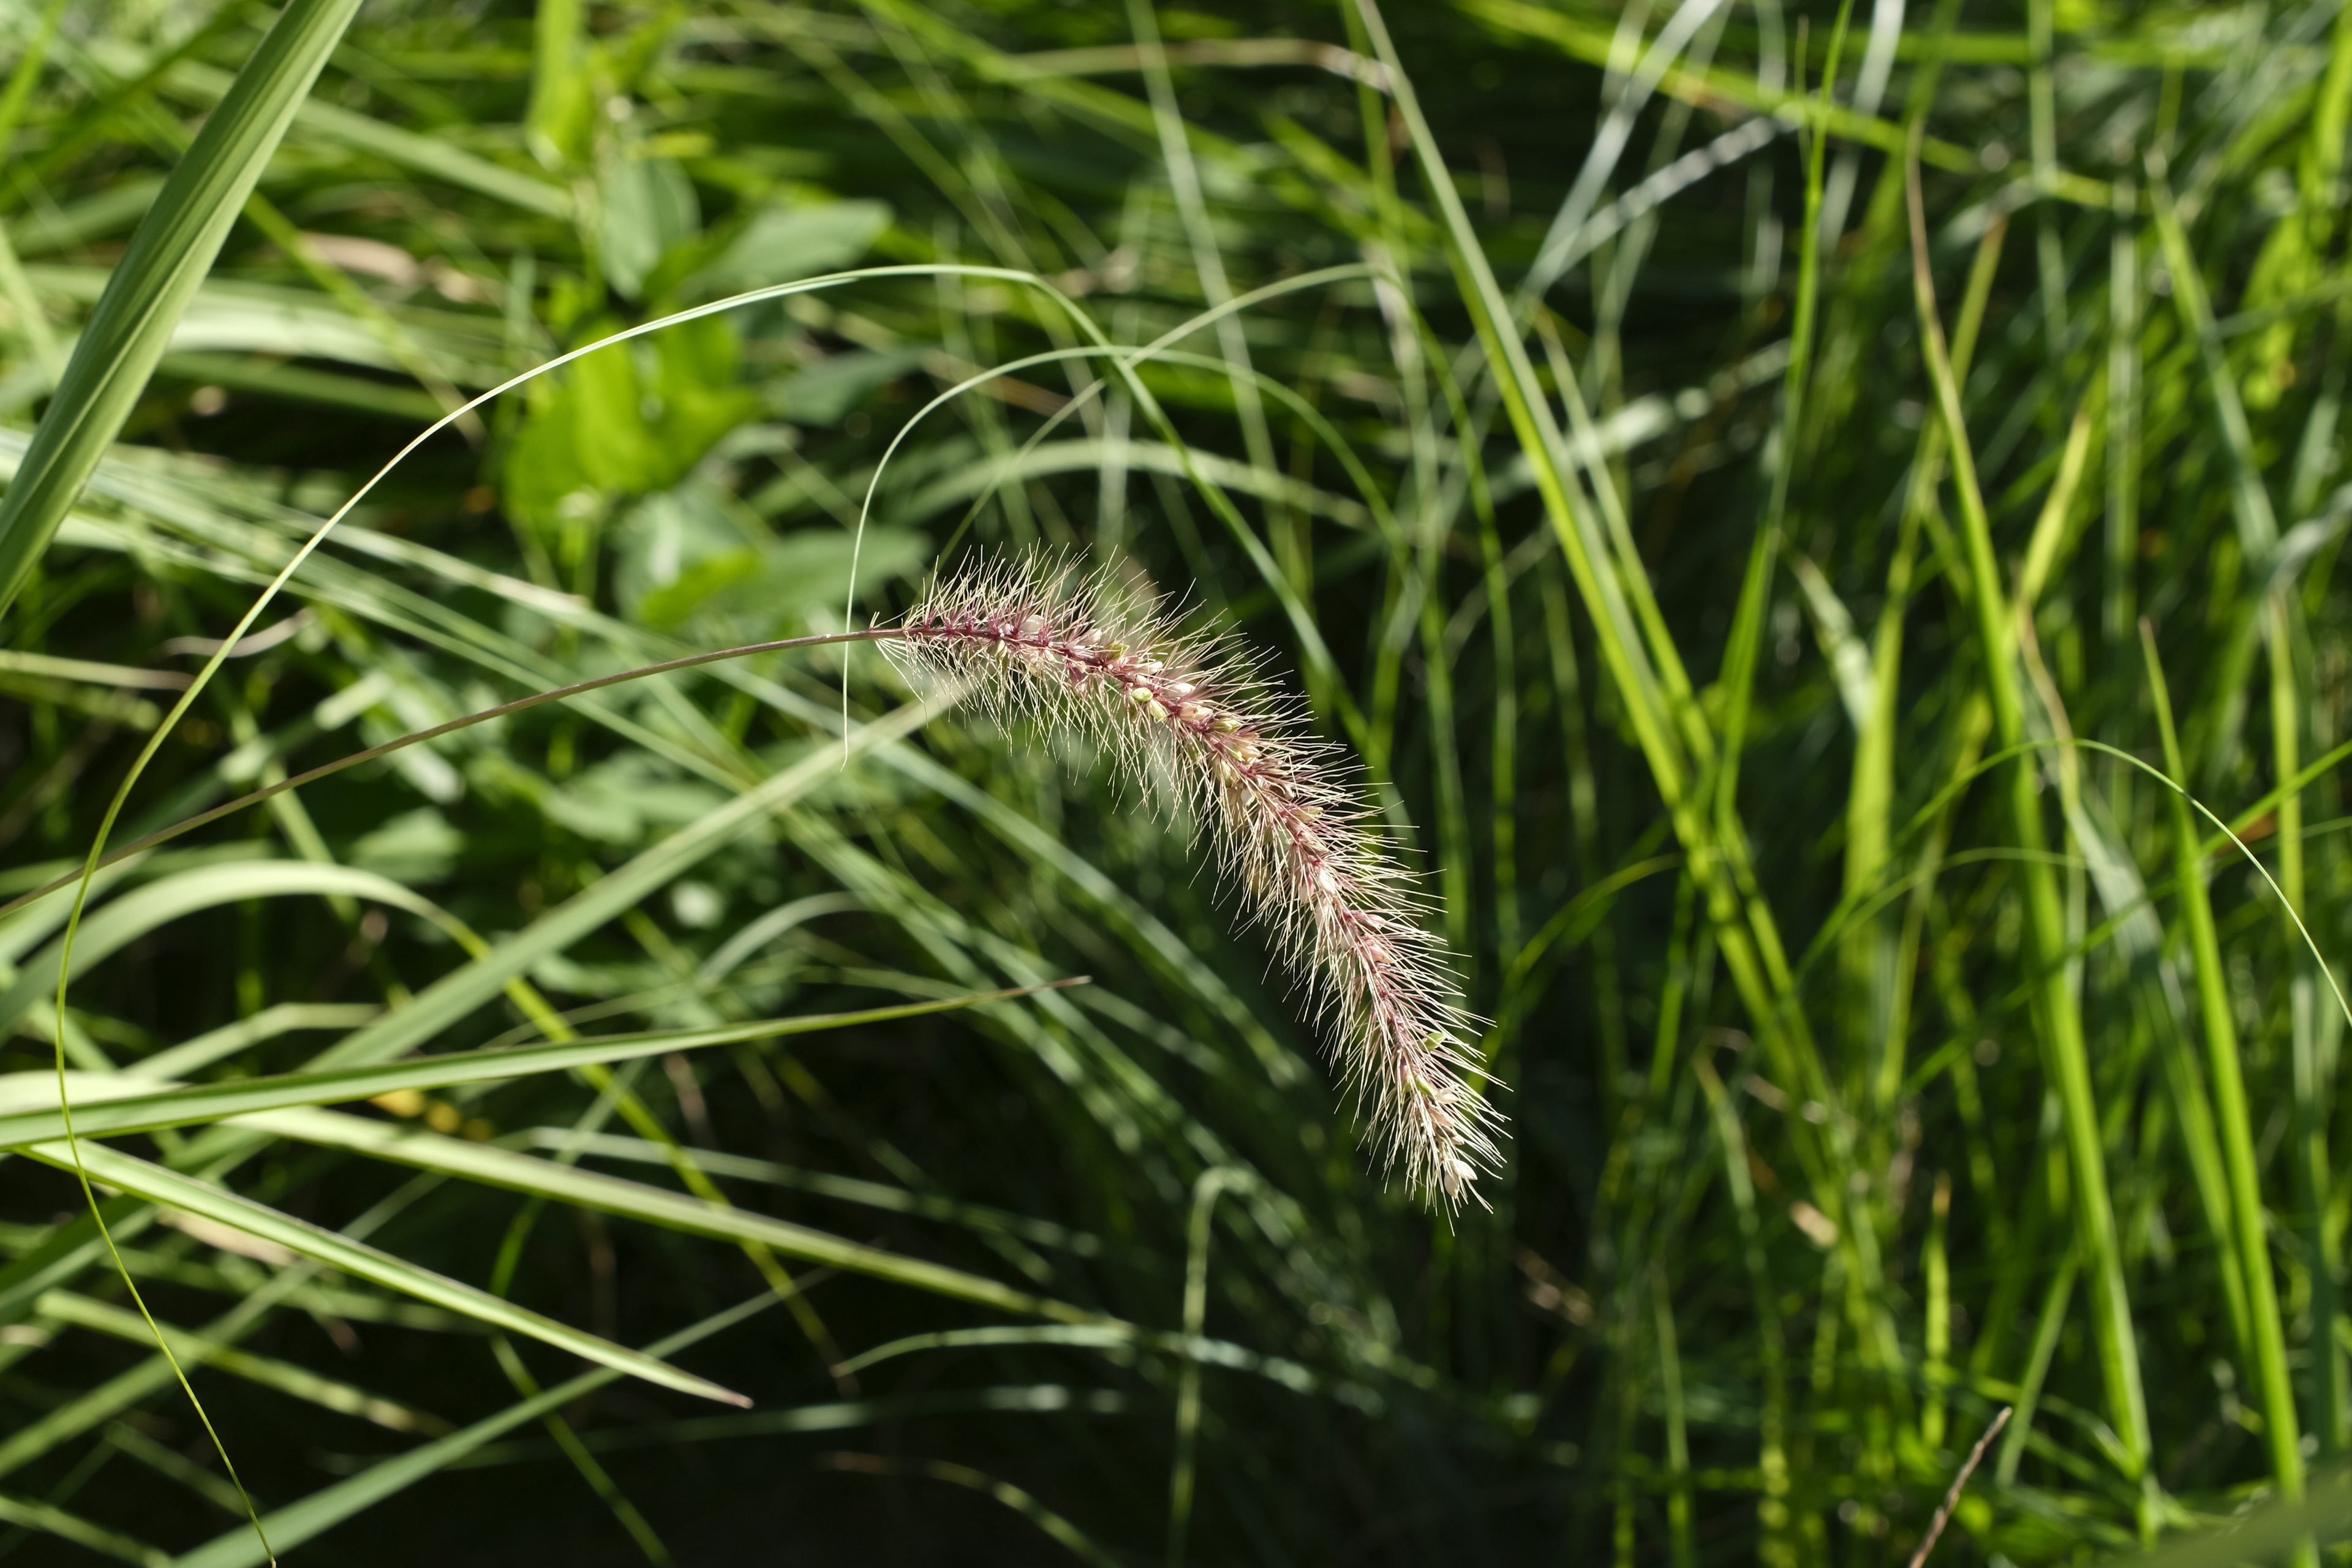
{"x":174,"y":246}
{"x":321,"y":1510}
{"x":107,"y":1105}
{"x":609,"y":1195}
{"x":158,"y":1185}
{"x":65,"y":1309}
{"x":2232,"y":1115}
{"x":2058,"y":1012}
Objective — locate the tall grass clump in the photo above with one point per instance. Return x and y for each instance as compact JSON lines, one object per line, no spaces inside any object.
{"x":1761,"y":573}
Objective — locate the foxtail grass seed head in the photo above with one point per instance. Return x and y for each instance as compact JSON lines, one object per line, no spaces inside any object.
{"x":1288,"y":815}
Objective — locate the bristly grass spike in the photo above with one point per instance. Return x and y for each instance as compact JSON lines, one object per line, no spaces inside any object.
{"x":1181,"y":709}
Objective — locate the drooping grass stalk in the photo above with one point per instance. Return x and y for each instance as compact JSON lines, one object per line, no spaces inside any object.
{"x":1287,"y":819}
{"x":2058,"y":1014}
{"x":291,"y":58}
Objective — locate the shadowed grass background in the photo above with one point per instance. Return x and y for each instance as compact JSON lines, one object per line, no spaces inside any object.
{"x":1719,"y":553}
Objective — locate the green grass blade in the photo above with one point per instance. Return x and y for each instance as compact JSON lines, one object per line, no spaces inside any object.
{"x":451,"y":998}
{"x":634,"y":1200}
{"x":31,"y":1514}
{"x":173,"y":1190}
{"x":2058,"y":1013}
{"x":109,"y":1106}
{"x":322,"y":1511}
{"x":63,"y":1306}
{"x":134,"y":915}
{"x":2232,"y":1113}
{"x":846,"y":1189}
{"x":169,"y":256}
{"x":430,"y":156}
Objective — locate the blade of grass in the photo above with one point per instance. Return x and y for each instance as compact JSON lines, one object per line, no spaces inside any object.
{"x":173,"y":1190}
{"x":1181,"y":1471}
{"x":169,"y":256}
{"x":846,"y":1189}
{"x":64,"y":1307}
{"x":2058,"y":1012}
{"x":113,"y":1105}
{"x":1053,"y":1525}
{"x":2232,"y":1114}
{"x":322,"y":1511}
{"x":32,"y":1514}
{"x":1870,"y":802}
{"x":2257,"y":527}
{"x":610,"y":1195}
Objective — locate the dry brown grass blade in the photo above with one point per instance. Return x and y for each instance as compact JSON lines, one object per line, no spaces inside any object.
{"x":1959,"y":1484}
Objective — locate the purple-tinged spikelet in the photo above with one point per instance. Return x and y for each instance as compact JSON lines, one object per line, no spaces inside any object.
{"x":1287,"y":811}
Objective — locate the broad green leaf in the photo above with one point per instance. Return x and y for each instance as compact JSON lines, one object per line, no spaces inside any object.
{"x":649,"y":206}
{"x":604,"y":429}
{"x":781,"y":244}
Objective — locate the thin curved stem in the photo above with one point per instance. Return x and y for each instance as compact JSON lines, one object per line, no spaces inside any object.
{"x":520,"y":704}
